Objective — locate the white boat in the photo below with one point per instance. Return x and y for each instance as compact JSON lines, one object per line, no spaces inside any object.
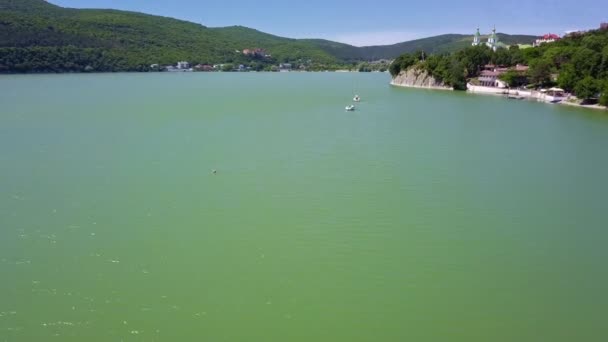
{"x":553,"y":95}
{"x":350,"y":108}
{"x":357,"y":98}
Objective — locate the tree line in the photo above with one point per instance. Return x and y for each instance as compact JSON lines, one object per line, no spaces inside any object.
{"x":36,"y":36}
{"x":578,"y":64}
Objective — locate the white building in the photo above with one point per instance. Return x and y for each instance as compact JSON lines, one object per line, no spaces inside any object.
{"x":492,"y":42}
{"x":183,"y":65}
{"x":548,"y":38}
{"x":477,"y":38}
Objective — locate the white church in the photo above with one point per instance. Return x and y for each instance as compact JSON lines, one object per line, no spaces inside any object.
{"x":492,"y":42}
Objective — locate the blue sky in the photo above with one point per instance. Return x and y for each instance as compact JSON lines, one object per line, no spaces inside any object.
{"x":373,"y":22}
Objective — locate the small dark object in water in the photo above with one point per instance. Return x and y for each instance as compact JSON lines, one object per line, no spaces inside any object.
{"x":214,"y":171}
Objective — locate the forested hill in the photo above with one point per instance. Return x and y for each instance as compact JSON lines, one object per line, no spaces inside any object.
{"x":37,"y":36}
{"x":577,"y":63}
{"x":445,"y":43}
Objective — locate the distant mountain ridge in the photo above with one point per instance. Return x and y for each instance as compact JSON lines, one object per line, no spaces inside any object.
{"x":438,"y":44}
{"x":132,"y":40}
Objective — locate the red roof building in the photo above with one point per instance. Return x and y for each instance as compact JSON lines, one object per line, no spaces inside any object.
{"x":551,"y":36}
{"x":547,"y":38}
{"x":490,"y":76}
{"x":257,"y":52}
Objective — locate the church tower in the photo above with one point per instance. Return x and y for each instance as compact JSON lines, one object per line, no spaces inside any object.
{"x":477,"y":38}
{"x":493,"y":40}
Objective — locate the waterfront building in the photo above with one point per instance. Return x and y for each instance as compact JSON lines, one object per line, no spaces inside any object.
{"x":183,"y":65}
{"x":204,"y":67}
{"x":285,"y":67}
{"x":490,"y":76}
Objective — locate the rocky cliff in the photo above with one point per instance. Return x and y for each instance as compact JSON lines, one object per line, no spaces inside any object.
{"x":418,"y":78}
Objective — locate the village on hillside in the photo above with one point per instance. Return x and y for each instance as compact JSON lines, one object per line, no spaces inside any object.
{"x":569,"y":69}
{"x":513,"y":82}
{"x":261,"y":60}
{"x":493,"y":78}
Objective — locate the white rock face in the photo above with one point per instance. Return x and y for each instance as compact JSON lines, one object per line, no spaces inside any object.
{"x":417,"y":78}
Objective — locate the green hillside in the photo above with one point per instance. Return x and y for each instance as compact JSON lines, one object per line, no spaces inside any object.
{"x":438,"y":44}
{"x":36,"y":36}
{"x":577,"y":63}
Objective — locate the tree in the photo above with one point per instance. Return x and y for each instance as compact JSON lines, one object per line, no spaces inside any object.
{"x":586,"y":61}
{"x":531,"y":55}
{"x":517,"y":55}
{"x":595,"y":42}
{"x":395,"y":67}
{"x":568,"y":77}
{"x":604,"y":96}
{"x":402,"y":63}
{"x":558,"y":55}
{"x":604,"y":64}
{"x":502,"y":57}
{"x":227,"y":67}
{"x":474,"y":58}
{"x":540,"y":72}
{"x":513,"y":78}
{"x":587,"y":88}
{"x":456,"y":75}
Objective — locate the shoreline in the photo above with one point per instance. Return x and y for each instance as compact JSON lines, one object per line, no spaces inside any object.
{"x":525,"y":95}
{"x":519,"y":95}
{"x":185,"y":72}
{"x":572,"y":104}
{"x":420,"y":87}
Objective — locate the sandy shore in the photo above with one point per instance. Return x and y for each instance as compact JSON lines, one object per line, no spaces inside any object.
{"x":525,"y":95}
{"x":574,"y":104}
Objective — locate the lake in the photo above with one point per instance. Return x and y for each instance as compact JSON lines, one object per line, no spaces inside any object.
{"x":421,"y":216}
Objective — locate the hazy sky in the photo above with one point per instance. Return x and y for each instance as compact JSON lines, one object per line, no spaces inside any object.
{"x":373,"y":22}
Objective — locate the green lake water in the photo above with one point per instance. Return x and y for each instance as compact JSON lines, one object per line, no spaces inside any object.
{"x":422,"y":216}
